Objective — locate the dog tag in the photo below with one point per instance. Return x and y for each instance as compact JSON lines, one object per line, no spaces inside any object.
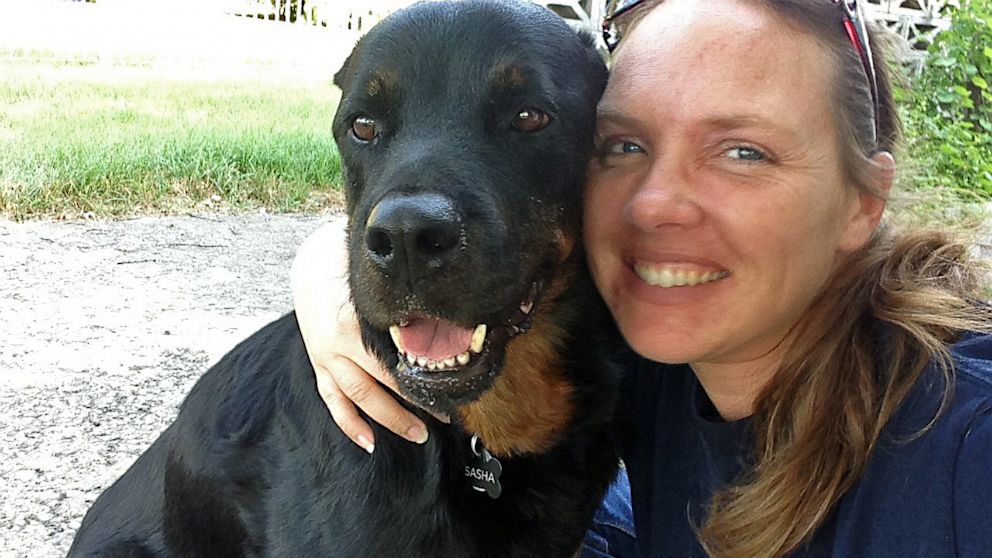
{"x":483,"y":470}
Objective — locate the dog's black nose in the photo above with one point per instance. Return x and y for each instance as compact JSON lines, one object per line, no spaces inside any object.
{"x":409,"y":236}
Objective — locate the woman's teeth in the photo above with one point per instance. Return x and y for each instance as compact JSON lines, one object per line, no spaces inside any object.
{"x":667,"y":277}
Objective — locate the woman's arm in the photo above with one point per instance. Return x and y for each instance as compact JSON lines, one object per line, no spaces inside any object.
{"x":347,"y":375}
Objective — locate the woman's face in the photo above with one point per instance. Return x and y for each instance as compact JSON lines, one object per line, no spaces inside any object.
{"x":716,"y":207}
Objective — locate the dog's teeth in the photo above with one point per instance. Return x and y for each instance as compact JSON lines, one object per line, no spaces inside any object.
{"x":404,"y":323}
{"x":526,"y":307}
{"x":431,"y":365}
{"x":440,"y":365}
{"x":449,"y":362}
{"x":478,"y":338}
{"x":421,"y":361}
{"x":463,"y":358}
{"x":412,"y":360}
{"x":394,"y":332}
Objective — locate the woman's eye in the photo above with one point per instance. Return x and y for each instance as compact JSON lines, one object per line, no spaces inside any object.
{"x":745,"y":153}
{"x":620,"y":147}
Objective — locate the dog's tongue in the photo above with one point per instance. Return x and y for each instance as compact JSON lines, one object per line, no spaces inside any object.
{"x":434,"y":338}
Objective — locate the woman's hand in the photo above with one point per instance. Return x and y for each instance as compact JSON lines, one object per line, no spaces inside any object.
{"x":346,"y":373}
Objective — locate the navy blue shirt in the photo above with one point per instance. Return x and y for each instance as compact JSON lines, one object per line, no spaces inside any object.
{"x":929,"y":496}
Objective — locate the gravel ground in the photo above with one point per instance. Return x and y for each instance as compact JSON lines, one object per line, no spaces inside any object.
{"x":105,"y":326}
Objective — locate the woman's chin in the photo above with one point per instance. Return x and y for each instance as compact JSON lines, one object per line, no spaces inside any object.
{"x":662,"y":345}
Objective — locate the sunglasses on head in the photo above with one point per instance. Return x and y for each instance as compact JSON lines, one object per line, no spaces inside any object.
{"x":853,"y":20}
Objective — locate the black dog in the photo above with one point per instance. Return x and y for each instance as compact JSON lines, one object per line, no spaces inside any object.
{"x":464,"y":129}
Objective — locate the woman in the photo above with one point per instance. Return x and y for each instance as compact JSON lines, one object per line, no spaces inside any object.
{"x":831,"y":400}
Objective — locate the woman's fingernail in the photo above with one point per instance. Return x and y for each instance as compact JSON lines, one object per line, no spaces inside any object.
{"x":366,"y":444}
{"x":417,"y":434}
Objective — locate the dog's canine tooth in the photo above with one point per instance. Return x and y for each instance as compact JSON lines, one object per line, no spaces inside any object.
{"x":463,"y":358}
{"x":526,"y":307}
{"x":450,"y":362}
{"x":394,"y":332}
{"x":412,"y":360}
{"x":478,"y":338}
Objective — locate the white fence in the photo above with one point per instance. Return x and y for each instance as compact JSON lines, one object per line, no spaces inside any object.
{"x":307,"y":38}
{"x":915,"y":21}
{"x":344,"y":15}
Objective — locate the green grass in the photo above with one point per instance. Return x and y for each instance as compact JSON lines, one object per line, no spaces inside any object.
{"x":77,"y":138}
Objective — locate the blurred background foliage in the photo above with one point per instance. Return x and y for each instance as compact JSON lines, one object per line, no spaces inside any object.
{"x":947,"y":109}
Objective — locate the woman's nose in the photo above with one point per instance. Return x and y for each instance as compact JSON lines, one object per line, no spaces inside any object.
{"x":665,"y":197}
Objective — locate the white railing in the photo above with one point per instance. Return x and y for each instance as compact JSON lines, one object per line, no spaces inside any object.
{"x":344,"y":15}
{"x":917,"y":22}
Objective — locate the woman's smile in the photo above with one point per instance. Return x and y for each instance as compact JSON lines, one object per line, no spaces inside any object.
{"x":669,"y":275}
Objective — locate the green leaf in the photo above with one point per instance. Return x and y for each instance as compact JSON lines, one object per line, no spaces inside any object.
{"x":980,"y":82}
{"x":970,"y":69}
{"x":962,"y":91}
{"x":944,"y":61}
{"x":988,"y":52}
{"x":985,"y":124}
{"x":946,"y":97}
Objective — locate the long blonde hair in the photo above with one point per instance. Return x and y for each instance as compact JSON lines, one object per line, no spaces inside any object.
{"x":820,"y":417}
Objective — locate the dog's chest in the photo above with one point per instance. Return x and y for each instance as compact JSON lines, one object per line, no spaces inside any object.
{"x":421,"y":503}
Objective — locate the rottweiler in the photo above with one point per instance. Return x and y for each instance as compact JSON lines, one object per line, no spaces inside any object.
{"x":464,"y":130}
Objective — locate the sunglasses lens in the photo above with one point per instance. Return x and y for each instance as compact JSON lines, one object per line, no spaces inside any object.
{"x":615,"y":8}
{"x":624,"y":5}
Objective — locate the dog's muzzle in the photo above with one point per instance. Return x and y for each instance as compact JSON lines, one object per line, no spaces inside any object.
{"x":410,"y":236}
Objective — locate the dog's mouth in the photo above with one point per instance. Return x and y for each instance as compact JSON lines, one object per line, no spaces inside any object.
{"x":433,"y":348}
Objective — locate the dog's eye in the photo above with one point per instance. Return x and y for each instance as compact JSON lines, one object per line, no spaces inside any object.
{"x":531,"y":120}
{"x":364,"y":128}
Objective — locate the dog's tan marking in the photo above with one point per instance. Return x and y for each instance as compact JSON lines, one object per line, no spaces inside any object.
{"x":509,"y":77}
{"x":380,"y":84}
{"x":531,"y":402}
{"x":565,"y":244}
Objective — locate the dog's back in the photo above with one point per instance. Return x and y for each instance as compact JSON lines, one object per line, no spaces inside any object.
{"x":254,"y":466}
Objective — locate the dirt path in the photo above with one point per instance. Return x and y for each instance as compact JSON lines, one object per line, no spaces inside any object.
{"x":104,"y":326}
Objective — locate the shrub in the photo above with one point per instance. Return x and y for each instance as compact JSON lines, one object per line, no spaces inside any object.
{"x":948,"y":108}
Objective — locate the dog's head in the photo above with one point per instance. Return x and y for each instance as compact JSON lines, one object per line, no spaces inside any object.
{"x":464,"y":130}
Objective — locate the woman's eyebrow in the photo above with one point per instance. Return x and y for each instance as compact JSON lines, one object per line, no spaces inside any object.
{"x":614,"y":115}
{"x":731,"y":122}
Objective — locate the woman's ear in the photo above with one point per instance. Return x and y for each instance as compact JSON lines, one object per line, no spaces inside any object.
{"x":867,"y":207}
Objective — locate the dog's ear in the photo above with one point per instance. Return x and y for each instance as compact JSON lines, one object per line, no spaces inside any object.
{"x":343,"y":76}
{"x":591,"y":43}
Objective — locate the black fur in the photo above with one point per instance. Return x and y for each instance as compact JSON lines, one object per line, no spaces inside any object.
{"x":253,"y":465}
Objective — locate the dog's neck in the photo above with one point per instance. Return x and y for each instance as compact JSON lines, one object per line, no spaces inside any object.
{"x":531,"y":402}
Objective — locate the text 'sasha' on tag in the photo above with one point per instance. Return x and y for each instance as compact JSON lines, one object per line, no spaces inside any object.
{"x":483,"y":470}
